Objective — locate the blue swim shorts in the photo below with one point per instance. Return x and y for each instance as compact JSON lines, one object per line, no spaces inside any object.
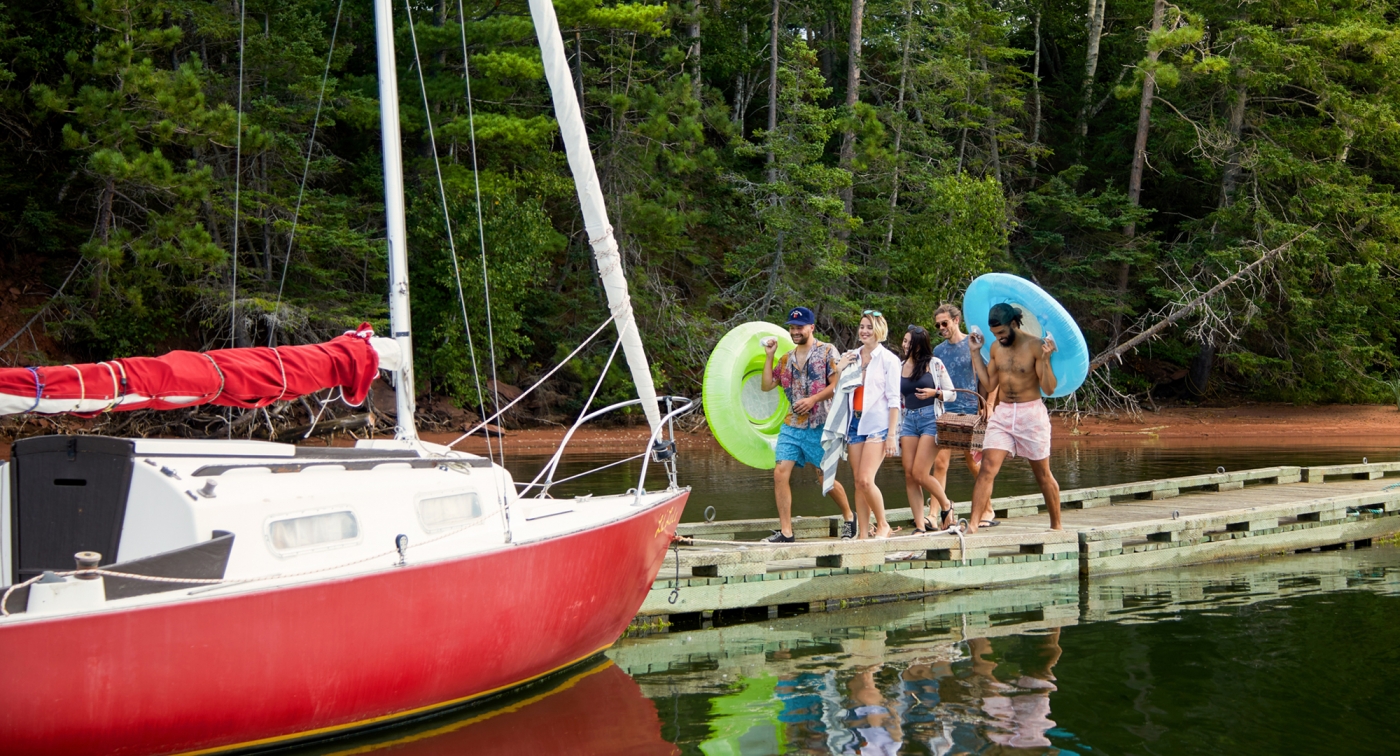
{"x":853,"y":432}
{"x":919,"y":422}
{"x":800,"y":445}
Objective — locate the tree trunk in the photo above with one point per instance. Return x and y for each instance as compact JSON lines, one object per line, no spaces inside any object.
{"x":1091,"y":66}
{"x":578,"y":69}
{"x":899,"y":121}
{"x":773,"y":90}
{"x":962,"y":139}
{"x":1107,"y":355}
{"x":1149,"y":83}
{"x":1231,"y":178}
{"x":695,"y":10}
{"x":741,"y":101}
{"x":1035,"y":83}
{"x":848,"y":140}
{"x":826,"y":58}
{"x":991,"y":127}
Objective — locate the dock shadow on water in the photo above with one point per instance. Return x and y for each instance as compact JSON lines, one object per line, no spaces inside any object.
{"x":1292,"y":654}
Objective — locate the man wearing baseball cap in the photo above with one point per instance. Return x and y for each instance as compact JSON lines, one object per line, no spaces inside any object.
{"x":805,"y":373}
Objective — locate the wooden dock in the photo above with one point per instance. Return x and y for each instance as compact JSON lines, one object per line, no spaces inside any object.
{"x":1135,"y":526}
{"x":940,"y":621}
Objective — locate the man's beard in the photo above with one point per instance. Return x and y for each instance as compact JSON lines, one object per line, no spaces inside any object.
{"x":1009,"y":339}
{"x":799,"y":339}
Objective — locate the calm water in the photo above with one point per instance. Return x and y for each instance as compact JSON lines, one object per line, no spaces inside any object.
{"x":1295,"y":654}
{"x":737,"y":491}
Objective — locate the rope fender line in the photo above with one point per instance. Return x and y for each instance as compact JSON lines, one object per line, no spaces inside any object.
{"x":38,"y":388}
{"x":737,"y":545}
{"x":5,"y":599}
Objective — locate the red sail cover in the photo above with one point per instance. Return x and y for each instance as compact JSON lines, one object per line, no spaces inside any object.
{"x":246,"y":378}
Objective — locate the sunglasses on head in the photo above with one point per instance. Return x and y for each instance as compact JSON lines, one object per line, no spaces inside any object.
{"x":876,"y":313}
{"x":916,"y":329}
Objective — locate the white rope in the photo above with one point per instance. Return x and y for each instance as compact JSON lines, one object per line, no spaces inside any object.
{"x":305,"y":172}
{"x":527,"y":486}
{"x":554,"y":463}
{"x":82,"y":389}
{"x":535,"y":385}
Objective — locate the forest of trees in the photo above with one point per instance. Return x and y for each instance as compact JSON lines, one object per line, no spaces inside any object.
{"x":756,"y":154}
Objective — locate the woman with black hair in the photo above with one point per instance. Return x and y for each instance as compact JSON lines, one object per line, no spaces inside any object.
{"x":925,"y":384}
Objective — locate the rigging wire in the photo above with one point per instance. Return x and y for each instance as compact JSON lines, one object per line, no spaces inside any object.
{"x":480,"y":226}
{"x":447,"y":219}
{"x":536,"y":384}
{"x":237,"y":189}
{"x":503,"y":496}
{"x":305,"y":172}
{"x":237,"y":179}
{"x":553,"y":465}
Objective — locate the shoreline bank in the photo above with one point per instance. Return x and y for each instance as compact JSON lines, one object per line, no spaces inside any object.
{"x":1250,"y":424}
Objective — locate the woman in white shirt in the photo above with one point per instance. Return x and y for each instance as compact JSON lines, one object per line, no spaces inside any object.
{"x":872,"y":433}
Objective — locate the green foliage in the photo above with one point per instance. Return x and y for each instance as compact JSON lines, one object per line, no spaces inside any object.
{"x":119,"y":121}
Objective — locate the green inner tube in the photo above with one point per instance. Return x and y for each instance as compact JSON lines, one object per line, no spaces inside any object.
{"x":744,"y":418}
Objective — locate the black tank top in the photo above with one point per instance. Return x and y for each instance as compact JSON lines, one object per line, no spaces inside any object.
{"x":907,"y":386}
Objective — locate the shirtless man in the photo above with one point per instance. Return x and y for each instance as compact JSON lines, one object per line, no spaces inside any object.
{"x":1018,"y":374}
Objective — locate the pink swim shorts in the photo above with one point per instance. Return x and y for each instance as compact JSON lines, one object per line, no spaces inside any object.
{"x":1022,"y":428}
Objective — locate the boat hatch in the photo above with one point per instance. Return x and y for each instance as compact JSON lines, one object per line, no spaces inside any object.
{"x":69,"y":495}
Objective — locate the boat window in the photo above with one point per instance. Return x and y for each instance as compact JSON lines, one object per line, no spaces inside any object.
{"x":297,"y":533}
{"x":442,"y":512}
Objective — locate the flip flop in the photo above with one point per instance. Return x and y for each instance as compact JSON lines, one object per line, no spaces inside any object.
{"x":949,"y":517}
{"x":988,"y":524}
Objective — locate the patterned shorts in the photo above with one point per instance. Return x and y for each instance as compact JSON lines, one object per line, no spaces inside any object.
{"x":1022,"y":428}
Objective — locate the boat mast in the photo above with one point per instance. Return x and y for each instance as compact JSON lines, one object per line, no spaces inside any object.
{"x":590,"y":199}
{"x":399,"y":318}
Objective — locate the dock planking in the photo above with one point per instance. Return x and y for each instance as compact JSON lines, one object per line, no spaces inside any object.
{"x":866,"y":632}
{"x":1121,"y":528}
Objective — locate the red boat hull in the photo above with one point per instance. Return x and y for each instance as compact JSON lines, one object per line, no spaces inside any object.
{"x":268,"y":667}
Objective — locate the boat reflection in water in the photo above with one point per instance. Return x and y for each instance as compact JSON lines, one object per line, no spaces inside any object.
{"x":598,"y":709}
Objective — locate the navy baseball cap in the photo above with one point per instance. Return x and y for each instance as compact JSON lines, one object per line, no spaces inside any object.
{"x":801,"y":316}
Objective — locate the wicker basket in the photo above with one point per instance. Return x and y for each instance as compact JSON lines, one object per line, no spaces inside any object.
{"x":959,"y":431}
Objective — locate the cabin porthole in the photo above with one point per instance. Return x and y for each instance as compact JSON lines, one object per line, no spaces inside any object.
{"x":444,"y":512}
{"x":312,"y":531}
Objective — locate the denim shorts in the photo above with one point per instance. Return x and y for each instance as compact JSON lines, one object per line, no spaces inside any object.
{"x":919,"y":422}
{"x":853,"y":432}
{"x":800,"y":445}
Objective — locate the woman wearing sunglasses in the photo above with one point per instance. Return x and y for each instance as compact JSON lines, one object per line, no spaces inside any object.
{"x":874,"y":413}
{"x":925,"y":384}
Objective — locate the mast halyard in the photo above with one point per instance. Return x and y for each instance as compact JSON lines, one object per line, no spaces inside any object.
{"x":590,"y":198}
{"x":400,"y":321}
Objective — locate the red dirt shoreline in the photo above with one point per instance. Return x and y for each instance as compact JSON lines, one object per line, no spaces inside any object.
{"x":1251,"y":424}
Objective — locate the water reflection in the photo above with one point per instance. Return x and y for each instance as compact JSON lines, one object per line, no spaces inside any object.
{"x":595,"y":710}
{"x":948,"y":697}
{"x":1208,"y":659}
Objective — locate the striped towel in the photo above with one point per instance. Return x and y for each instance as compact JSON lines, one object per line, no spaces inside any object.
{"x":837,"y":420}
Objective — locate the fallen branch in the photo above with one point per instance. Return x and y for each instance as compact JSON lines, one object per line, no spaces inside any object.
{"x":349,"y":422}
{"x":1118,"y":351}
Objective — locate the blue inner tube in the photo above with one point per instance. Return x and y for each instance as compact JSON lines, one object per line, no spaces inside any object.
{"x":1042,"y":315}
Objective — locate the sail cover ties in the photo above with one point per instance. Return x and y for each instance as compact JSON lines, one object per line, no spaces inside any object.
{"x":247,"y":378}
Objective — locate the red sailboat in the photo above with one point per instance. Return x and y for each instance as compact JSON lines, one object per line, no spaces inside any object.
{"x":232,"y":594}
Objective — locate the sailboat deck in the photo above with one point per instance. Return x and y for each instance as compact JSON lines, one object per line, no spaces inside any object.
{"x":1135,"y":526}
